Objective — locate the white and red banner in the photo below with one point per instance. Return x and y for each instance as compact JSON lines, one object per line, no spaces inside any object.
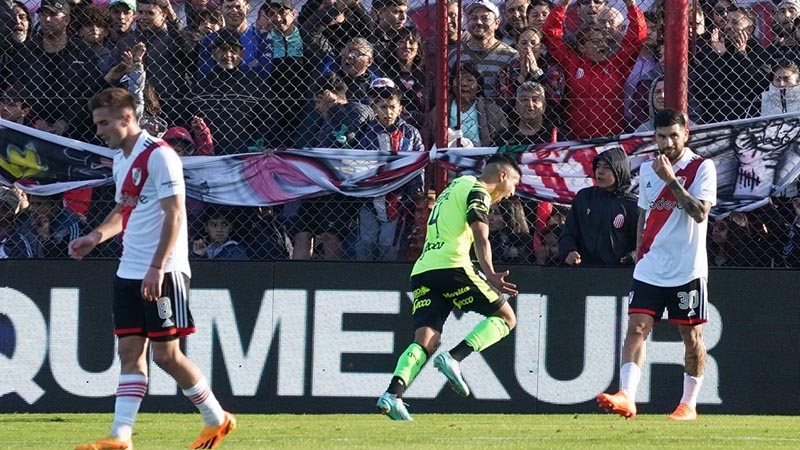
{"x":755,"y":159}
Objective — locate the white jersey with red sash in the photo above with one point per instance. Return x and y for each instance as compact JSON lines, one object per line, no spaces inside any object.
{"x":152,"y":172}
{"x":673,"y":247}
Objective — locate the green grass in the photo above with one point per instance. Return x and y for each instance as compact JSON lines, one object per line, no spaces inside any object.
{"x":428,"y":431}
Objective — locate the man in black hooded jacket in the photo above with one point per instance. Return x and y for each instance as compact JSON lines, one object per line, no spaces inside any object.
{"x":601,"y":225}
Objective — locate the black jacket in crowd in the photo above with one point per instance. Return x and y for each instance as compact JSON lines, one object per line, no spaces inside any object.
{"x":601,"y":225}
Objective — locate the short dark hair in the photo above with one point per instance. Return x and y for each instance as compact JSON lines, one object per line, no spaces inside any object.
{"x":785,"y":63}
{"x":469,"y":68}
{"x":211,"y":15}
{"x":382,"y":4}
{"x":93,"y":15}
{"x":163,"y":4}
{"x":668,"y":117}
{"x":504,"y":159}
{"x":533,"y":3}
{"x":333,"y":83}
{"x":114,"y":98}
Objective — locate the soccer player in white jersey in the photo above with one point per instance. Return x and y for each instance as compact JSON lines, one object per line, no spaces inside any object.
{"x":151,"y":288}
{"x":676,"y":192}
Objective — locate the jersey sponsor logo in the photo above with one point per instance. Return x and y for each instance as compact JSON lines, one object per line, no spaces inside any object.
{"x":420,"y":291}
{"x":454,"y":294}
{"x":463,"y":302}
{"x":128,"y":200}
{"x":619,"y":221}
{"x":433,"y":246}
{"x":420,"y":304}
{"x":665,"y":205}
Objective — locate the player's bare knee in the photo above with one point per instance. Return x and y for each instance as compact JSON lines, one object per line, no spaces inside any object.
{"x":639,"y":330}
{"x":511,"y":321}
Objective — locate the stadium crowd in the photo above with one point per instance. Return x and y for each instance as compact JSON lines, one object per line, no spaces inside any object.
{"x":217,"y":77}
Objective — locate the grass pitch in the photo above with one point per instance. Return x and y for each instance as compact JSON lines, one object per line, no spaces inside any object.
{"x":428,"y":431}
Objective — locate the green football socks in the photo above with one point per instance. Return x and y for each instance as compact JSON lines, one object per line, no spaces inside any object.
{"x":410,"y":363}
{"x":487,"y":333}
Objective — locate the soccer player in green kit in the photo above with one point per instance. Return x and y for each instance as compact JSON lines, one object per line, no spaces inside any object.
{"x":444,"y":277}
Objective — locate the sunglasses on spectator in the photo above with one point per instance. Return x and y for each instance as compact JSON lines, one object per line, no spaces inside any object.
{"x":355,"y":53}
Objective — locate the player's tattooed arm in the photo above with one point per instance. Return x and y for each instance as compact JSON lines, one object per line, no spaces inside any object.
{"x":697,"y":209}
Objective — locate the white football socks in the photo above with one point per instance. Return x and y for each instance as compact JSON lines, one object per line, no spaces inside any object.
{"x":130,"y":392}
{"x":691,"y":387}
{"x":205,"y":401}
{"x":629,"y":375}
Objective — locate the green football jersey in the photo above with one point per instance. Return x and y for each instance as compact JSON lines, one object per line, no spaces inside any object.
{"x":449,"y":238}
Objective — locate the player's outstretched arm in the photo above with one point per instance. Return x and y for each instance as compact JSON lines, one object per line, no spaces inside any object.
{"x":483,"y":251}
{"x":111,"y":226}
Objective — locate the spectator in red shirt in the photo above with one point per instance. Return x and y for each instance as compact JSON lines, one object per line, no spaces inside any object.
{"x":595,"y":76}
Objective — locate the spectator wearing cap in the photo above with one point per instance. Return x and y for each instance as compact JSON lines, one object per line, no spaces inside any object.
{"x":254,"y":39}
{"x":595,"y":76}
{"x":483,"y":49}
{"x":180,"y":140}
{"x":58,"y":70}
{"x":784,"y":42}
{"x":123,"y":16}
{"x":166,"y":62}
{"x":404,"y":63}
{"x":12,"y":243}
{"x":230,"y":97}
{"x":355,"y":67}
{"x":18,"y":35}
{"x":384,"y":221}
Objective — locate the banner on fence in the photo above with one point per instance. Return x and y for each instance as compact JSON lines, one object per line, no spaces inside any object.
{"x":755,"y":159}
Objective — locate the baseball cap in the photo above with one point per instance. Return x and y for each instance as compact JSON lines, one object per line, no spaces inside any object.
{"x":285,"y":4}
{"x":795,"y":3}
{"x":178,"y":134}
{"x":383,"y":88}
{"x":486,"y":4}
{"x":131,"y":4}
{"x":11,"y":198}
{"x":56,"y":6}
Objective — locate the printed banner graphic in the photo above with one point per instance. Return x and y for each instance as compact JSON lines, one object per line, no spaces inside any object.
{"x":755,"y":159}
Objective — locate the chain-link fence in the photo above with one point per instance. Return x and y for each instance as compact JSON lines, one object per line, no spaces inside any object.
{"x":218,"y":77}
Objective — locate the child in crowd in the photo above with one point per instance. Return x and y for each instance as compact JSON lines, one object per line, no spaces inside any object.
{"x":218,"y":243}
{"x":382,"y":220}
